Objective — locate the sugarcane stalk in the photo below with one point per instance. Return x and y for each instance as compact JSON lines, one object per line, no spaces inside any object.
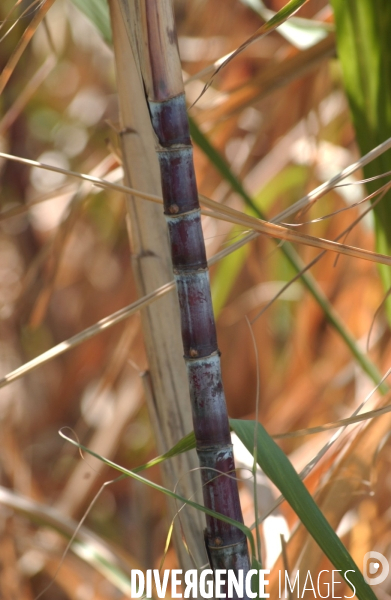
{"x":161,"y":72}
{"x":168,"y":405}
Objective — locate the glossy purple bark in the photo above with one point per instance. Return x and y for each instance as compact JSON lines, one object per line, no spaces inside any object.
{"x":226,"y":544}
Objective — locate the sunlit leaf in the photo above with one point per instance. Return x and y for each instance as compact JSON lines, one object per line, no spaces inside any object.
{"x":280,"y":471}
{"x":302,"y":33}
{"x":363,"y":40}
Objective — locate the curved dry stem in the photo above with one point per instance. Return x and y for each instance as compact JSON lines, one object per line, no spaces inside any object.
{"x":103,"y":183}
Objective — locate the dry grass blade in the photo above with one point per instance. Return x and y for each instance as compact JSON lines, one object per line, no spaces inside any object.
{"x":382,"y":190}
{"x":283,"y":233}
{"x":91,"y":179}
{"x":331,"y":183}
{"x":236,"y":217}
{"x":8,"y":16}
{"x":361,"y":181}
{"x":87,"y":334}
{"x":310,"y":198}
{"x":23,"y":43}
{"x":291,"y":8}
{"x":372,"y":414}
{"x":268,"y":80}
{"x":107,"y":322}
{"x":315,"y":260}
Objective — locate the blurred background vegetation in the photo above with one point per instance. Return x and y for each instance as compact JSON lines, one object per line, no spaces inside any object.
{"x":279,"y":117}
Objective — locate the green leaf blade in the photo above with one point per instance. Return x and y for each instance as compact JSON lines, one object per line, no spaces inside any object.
{"x":363,"y":32}
{"x":97,"y":12}
{"x":280,"y":471}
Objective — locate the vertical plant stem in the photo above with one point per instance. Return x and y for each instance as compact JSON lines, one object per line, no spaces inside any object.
{"x":161,"y":70}
{"x":166,"y":382}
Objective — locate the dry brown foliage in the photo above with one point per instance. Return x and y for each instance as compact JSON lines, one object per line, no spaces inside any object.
{"x":279,"y":117}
